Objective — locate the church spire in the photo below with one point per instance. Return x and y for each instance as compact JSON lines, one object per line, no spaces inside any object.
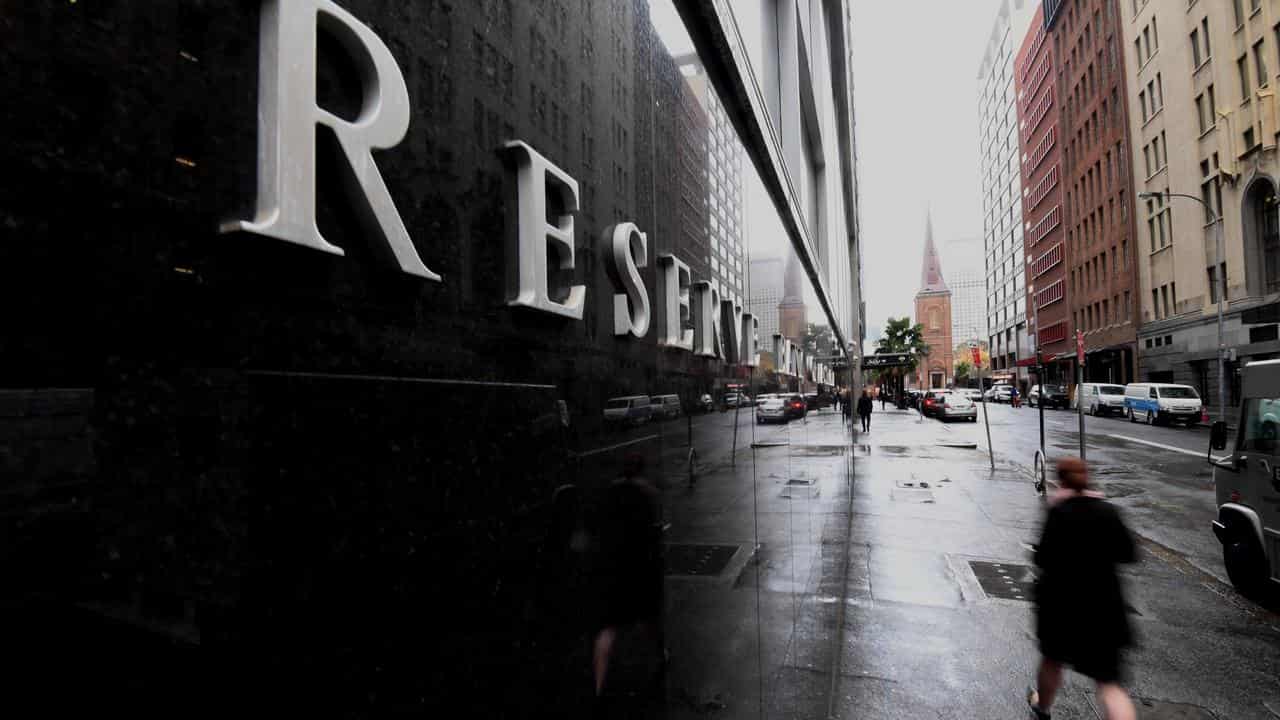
{"x":931,"y":271}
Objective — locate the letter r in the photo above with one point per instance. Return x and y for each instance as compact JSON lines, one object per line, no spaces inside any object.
{"x":288,"y":114}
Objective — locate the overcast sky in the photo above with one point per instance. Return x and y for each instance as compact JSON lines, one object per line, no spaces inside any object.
{"x":915,"y":96}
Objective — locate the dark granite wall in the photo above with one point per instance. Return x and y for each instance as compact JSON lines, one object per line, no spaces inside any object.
{"x":266,"y":476}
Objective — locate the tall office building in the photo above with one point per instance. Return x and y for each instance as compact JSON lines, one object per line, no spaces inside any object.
{"x":1205,"y":94}
{"x":1090,"y":78}
{"x":1004,"y":304}
{"x":1044,"y":241}
{"x":766,"y":295}
{"x":968,"y":305}
{"x":726,"y":228}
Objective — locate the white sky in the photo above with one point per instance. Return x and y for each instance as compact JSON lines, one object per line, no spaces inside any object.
{"x":915,"y":81}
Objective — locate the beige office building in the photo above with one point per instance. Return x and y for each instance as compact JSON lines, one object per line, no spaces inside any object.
{"x":1201,"y":85}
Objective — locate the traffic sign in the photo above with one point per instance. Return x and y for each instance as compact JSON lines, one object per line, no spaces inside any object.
{"x":977,"y":356}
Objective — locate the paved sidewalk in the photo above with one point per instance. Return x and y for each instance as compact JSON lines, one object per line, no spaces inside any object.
{"x":856,"y":595}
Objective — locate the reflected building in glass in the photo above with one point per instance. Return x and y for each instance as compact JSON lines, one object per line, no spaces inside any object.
{"x":380,"y":338}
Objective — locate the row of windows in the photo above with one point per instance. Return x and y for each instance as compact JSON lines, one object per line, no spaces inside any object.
{"x":1042,"y":150}
{"x":1056,"y":332}
{"x":1043,"y":188}
{"x":1047,"y":224}
{"x":1037,"y":115}
{"x":1101,"y":314}
{"x":1094,"y":272}
{"x":1051,"y":294}
{"x":1047,"y":261}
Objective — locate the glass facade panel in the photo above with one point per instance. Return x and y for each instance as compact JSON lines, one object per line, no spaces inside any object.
{"x":477,"y":366}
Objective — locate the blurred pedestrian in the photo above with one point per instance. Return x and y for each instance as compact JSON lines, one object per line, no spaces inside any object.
{"x":1014,"y":399}
{"x":864,"y":410}
{"x":1081,"y":620}
{"x":631,"y":545}
{"x":884,"y":398}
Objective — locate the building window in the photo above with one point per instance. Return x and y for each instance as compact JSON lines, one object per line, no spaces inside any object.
{"x":1260,"y":63}
{"x":1239,"y":10}
{"x":1242,"y":66}
{"x":1195,"y":47}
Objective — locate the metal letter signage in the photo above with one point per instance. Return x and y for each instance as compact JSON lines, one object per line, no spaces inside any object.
{"x":527,"y":251}
{"x":731,"y":325}
{"x":706,"y":323}
{"x":750,"y":352}
{"x":287,"y":120}
{"x":673,"y":303}
{"x":628,"y":251}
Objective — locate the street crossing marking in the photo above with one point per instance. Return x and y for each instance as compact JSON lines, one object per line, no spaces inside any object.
{"x":1162,"y":446}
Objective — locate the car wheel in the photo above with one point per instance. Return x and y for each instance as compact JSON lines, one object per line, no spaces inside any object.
{"x":1246,"y":567}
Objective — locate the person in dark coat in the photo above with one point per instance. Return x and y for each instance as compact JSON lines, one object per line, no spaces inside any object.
{"x":864,"y":410}
{"x":1081,"y":620}
{"x":632,"y":572}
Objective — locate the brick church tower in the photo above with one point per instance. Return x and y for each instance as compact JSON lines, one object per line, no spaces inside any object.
{"x":933,"y":311}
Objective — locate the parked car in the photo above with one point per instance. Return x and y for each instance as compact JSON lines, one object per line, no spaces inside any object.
{"x":629,"y":410}
{"x":1053,"y":396}
{"x":913,"y":398}
{"x":1162,"y":403}
{"x":999,"y":393}
{"x":930,"y":402}
{"x":1247,"y":484}
{"x":973,"y":394}
{"x":1101,"y":398}
{"x":955,"y":405}
{"x":796,"y":407}
{"x":772,"y":408}
{"x":667,"y":407}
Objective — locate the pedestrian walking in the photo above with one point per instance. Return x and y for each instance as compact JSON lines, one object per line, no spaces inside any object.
{"x":1081,"y":620}
{"x":1014,"y":399}
{"x":884,"y":398}
{"x":864,"y":410}
{"x":631,"y":568}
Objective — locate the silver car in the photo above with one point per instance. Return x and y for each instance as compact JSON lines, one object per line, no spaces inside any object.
{"x":955,"y":406}
{"x":772,"y":409}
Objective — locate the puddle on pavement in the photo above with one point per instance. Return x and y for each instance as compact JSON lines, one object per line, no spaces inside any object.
{"x":819,"y":450}
{"x":703,"y":560}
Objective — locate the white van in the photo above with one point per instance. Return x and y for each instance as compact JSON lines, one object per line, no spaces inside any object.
{"x":629,"y":410}
{"x":666,"y":407}
{"x":1247,"y":483}
{"x":1162,"y":403}
{"x":1101,"y":398}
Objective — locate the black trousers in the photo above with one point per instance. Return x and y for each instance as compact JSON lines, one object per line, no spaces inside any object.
{"x":866,"y":422}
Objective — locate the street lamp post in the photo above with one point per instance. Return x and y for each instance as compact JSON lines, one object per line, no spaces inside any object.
{"x":1035,"y":317}
{"x":1221,"y":282}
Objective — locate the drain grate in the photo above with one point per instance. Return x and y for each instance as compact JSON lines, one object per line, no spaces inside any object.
{"x":1005,"y":581}
{"x":702,"y":560}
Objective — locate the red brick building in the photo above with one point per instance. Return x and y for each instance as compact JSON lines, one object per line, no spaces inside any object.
{"x":1044,"y":237}
{"x":1101,"y":273}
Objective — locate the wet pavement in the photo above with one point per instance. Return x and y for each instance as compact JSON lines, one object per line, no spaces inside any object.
{"x":890,"y":581}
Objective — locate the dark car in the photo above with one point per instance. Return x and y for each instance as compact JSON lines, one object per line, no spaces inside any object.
{"x":931,"y":404}
{"x":1053,"y":396}
{"x":796,"y":406}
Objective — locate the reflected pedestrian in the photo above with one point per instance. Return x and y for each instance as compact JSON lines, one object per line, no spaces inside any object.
{"x":1014,"y":399}
{"x":1081,"y":618}
{"x":632,"y":567}
{"x":864,"y":410}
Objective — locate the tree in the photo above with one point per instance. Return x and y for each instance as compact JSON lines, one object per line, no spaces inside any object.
{"x":900,"y":336}
{"x":962,"y":370}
